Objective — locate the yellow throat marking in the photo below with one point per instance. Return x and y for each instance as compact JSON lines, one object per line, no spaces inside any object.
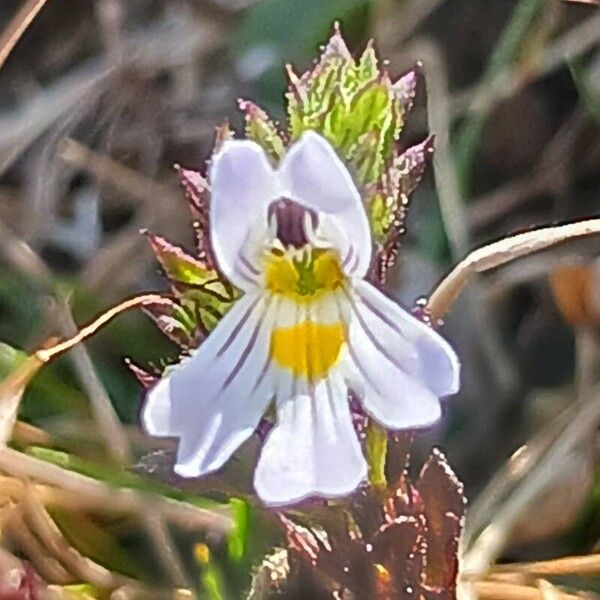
{"x":308,"y":349}
{"x":305,"y":277}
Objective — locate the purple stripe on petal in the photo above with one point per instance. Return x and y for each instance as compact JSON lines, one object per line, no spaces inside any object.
{"x":249,"y":346}
{"x":262,"y":374}
{"x":348,"y":257}
{"x":238,"y":327}
{"x":243,"y":275}
{"x":359,"y":364}
{"x":378,"y":345}
{"x":268,"y":359}
{"x":362,"y":370}
{"x":383,"y":317}
{"x":354,"y":265}
{"x":249,"y":265}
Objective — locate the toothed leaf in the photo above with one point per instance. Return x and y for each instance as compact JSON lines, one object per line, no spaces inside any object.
{"x":409,"y":167}
{"x":177,"y":323}
{"x":368,"y":65}
{"x":145,"y":377}
{"x":261,"y":129}
{"x":179,"y":266}
{"x":196,"y":190}
{"x":444,"y":503}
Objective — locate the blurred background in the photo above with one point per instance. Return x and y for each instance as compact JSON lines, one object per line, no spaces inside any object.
{"x":101,"y":98}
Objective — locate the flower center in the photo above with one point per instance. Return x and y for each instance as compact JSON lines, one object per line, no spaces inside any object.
{"x":296,"y":269}
{"x":290,"y":220}
{"x":303,"y":275}
{"x":308,"y":349}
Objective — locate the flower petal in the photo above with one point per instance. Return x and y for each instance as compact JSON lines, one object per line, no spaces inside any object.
{"x":214,"y":400}
{"x":397,"y":365}
{"x":438,"y":366}
{"x":313,"y":175}
{"x":313,"y":449}
{"x":242,"y":186}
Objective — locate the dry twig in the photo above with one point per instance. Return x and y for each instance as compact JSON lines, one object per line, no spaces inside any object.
{"x":27,"y":262}
{"x":493,"y":590}
{"x":570,"y":565}
{"x":21,"y":21}
{"x":15,"y":527}
{"x":500,"y":253}
{"x":100,"y":494}
{"x":51,"y":537}
{"x":165,"y":549}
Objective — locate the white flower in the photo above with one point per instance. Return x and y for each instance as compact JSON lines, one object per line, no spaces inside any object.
{"x":308,"y":328}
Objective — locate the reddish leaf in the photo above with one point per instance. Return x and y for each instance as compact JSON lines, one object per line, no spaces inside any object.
{"x":197,"y":193}
{"x":402,"y":178}
{"x":444,"y":503}
{"x":410,"y":552}
{"x":408,"y":168}
{"x":405,"y":89}
{"x":301,"y":541}
{"x":333,"y":563}
{"x":196,"y":190}
{"x":399,"y":557}
{"x":261,"y":129}
{"x":169,"y":317}
{"x":335,"y":48}
{"x":398,"y":459}
{"x":146,"y":378}
{"x":179,"y":266}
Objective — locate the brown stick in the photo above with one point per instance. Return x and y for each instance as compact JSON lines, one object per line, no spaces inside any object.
{"x":16,"y":529}
{"x":101,"y":495}
{"x":491,"y":590}
{"x":20,"y":22}
{"x":55,"y":543}
{"x":47,"y":354}
{"x":570,"y":565}
{"x":11,"y":388}
{"x":500,"y":253}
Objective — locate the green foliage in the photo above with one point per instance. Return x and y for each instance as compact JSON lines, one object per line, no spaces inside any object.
{"x":589,"y":91}
{"x":389,"y":201}
{"x":261,"y":129}
{"x":200,"y":295}
{"x":82,"y":591}
{"x":351,"y":103}
{"x":96,"y":541}
{"x":355,"y":105}
{"x":376,"y":450}
{"x":293,"y":29}
{"x":117,"y":477}
{"x":178,"y":265}
{"x":503,"y":56}
{"x":238,"y":539}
